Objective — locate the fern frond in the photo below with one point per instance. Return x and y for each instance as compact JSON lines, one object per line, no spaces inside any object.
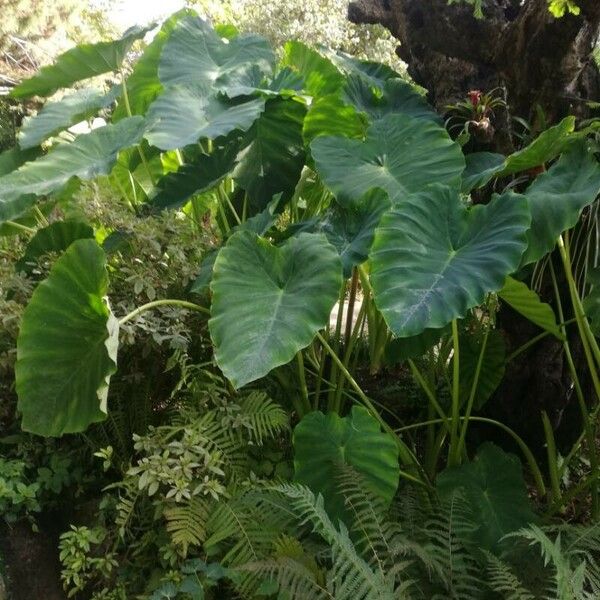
{"x":264,"y":417}
{"x":504,"y":581}
{"x":351,"y":577}
{"x":186,"y":523}
{"x":291,"y":576}
{"x":447,"y":530}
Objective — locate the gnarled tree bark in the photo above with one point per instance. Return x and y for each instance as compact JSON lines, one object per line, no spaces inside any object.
{"x":537,"y":58}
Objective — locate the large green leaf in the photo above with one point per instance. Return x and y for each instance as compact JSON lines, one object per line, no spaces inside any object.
{"x":143,"y":84}
{"x":268,"y":302}
{"x":329,"y":115}
{"x":374,"y":73}
{"x":81,"y":62}
{"x":194,"y":54}
{"x":324,"y":443}
{"x":88,"y":156}
{"x":351,"y":229}
{"x":321,"y":77}
{"x":492,"y":366}
{"x":433,"y":259}
{"x":67,"y":345}
{"x":397,"y":96}
{"x":56,"y":116}
{"x":273,"y":158}
{"x":181,"y":116}
{"x":548,"y":145}
{"x":525,"y":301}
{"x":401,"y":155}
{"x":480,"y":168}
{"x":56,"y":237}
{"x":205,"y":172}
{"x":557,"y":197}
{"x":11,"y":160}
{"x":494,"y":488}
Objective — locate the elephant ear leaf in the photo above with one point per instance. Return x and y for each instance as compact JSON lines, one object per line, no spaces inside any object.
{"x":433,"y":259}
{"x":81,"y":62}
{"x":557,"y":197}
{"x":525,"y":301}
{"x":495,"y":493}
{"x":324,"y":444}
{"x":87,"y":157}
{"x":401,"y":155}
{"x":67,"y":345}
{"x":269,"y":302}
{"x":194,"y":54}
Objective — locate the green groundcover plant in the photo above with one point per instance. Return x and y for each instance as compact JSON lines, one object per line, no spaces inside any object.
{"x":309,"y":181}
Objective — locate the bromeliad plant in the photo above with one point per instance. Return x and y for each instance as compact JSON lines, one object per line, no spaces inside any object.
{"x":323,"y":179}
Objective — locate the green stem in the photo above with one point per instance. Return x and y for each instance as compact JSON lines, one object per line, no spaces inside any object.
{"x":465,"y":424}
{"x":21,"y":227}
{"x":129,"y":114}
{"x":165,"y":302}
{"x":406,"y":455}
{"x":535,"y":470}
{"x":453,"y":455}
{"x":552,"y":459}
{"x":430,"y":395}
{"x":535,"y":340}
{"x":303,"y":387}
{"x":587,"y":424}
{"x":41,"y":216}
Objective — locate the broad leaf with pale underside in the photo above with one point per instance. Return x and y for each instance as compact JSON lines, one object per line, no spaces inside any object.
{"x":87,"y":157}
{"x":181,"y":116}
{"x":81,"y":62}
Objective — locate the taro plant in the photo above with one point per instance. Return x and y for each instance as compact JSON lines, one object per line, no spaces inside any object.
{"x":323,"y":180}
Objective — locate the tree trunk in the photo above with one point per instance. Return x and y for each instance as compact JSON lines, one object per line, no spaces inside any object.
{"x":536,"y":58}
{"x":539,"y":62}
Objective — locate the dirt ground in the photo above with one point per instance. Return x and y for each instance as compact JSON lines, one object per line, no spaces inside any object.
{"x":31,"y":562}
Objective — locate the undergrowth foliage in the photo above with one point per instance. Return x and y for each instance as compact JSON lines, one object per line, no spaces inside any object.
{"x":207,"y":285}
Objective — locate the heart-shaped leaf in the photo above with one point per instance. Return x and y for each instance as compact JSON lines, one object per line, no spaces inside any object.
{"x":67,"y":345}
{"x":525,"y":301}
{"x":557,"y":197}
{"x":194,"y":55}
{"x":56,"y":116}
{"x":433,"y":259}
{"x":397,"y":96}
{"x":81,"y":62}
{"x":323,"y":443}
{"x":87,"y":157}
{"x":495,"y":490}
{"x":57,"y":237}
{"x":181,"y":116}
{"x":273,"y":157}
{"x":268,"y":303}
{"x":401,"y":155}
